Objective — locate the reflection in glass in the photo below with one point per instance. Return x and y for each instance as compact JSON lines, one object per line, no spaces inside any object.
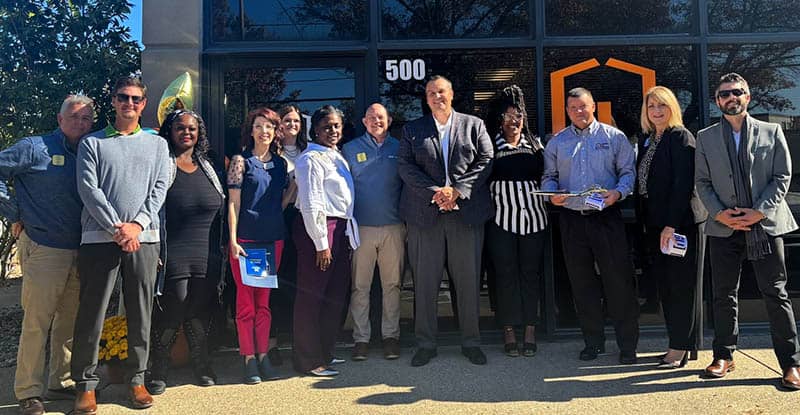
{"x":308,"y":88}
{"x":290,"y":20}
{"x":476,"y":77}
{"x":226,"y":20}
{"x":591,"y":18}
{"x":748,"y":16}
{"x":415,"y":19}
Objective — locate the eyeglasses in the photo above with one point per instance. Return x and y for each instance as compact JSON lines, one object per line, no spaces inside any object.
{"x":136,"y":99}
{"x":725,"y":93}
{"x":512,"y":117}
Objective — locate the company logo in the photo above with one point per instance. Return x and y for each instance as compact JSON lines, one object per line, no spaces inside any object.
{"x":558,"y":95}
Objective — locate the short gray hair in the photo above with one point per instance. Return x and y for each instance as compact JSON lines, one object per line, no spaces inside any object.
{"x":78,"y":99}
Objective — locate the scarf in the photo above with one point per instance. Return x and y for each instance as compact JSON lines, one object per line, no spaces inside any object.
{"x":756,"y":239}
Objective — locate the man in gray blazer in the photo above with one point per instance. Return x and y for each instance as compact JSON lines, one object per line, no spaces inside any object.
{"x":444,"y":161}
{"x":742,"y":173}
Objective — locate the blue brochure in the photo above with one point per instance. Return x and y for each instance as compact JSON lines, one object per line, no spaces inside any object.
{"x":258,"y":268}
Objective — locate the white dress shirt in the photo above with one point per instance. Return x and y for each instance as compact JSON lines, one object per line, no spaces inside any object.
{"x":444,"y":139}
{"x":324,"y":189}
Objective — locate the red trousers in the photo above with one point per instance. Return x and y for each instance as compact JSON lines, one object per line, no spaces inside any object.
{"x":253,"y":316}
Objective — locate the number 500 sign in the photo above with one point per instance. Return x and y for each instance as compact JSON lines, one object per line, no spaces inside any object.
{"x":405,"y":69}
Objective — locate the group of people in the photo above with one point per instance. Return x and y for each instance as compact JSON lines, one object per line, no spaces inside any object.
{"x":88,"y":207}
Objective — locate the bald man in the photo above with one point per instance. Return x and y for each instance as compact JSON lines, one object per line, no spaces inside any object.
{"x":373,"y":163}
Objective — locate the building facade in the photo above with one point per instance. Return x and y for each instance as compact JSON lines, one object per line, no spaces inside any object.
{"x":350,"y":53}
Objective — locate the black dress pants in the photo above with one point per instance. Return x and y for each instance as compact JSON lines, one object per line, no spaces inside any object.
{"x":517,"y":263}
{"x":600,"y":238}
{"x":727,"y":256}
{"x":99,"y":265}
{"x":676,"y":278}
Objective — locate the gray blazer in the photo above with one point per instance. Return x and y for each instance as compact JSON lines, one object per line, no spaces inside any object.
{"x":770,"y":174}
{"x":421,"y":166}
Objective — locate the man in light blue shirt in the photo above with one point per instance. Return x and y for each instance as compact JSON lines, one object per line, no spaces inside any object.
{"x":590,"y":154}
{"x":373,"y":162}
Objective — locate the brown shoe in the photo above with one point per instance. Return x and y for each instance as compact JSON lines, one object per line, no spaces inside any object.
{"x":360,"y":351}
{"x":391,"y":348}
{"x":719,"y":368}
{"x":140,"y":397}
{"x":791,"y":378}
{"x":85,"y":403}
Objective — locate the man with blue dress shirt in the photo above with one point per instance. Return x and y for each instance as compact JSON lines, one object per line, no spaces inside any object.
{"x":590,"y":154}
{"x":373,"y":162}
{"x":45,"y":210}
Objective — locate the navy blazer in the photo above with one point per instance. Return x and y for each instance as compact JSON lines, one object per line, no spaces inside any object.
{"x":421,"y":166}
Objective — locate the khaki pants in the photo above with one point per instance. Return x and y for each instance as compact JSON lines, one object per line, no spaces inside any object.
{"x":50,"y":290}
{"x":386,"y":246}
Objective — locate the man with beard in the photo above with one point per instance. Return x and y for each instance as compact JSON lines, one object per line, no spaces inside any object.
{"x":742,"y":174}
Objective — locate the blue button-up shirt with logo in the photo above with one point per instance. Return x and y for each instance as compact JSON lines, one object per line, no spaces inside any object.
{"x":377,"y":183}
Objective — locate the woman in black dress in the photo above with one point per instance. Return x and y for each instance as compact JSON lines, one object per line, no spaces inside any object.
{"x":193,"y":200}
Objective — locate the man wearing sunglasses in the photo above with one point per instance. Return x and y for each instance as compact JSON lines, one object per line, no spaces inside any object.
{"x":123,"y":176}
{"x":742,"y":174}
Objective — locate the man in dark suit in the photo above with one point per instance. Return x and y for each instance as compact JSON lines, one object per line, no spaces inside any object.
{"x":742,"y":174}
{"x":444,"y":162}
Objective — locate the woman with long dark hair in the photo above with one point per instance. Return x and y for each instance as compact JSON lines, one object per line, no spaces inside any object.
{"x":192,"y":202}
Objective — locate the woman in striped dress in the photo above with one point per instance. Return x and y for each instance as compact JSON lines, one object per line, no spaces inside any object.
{"x":515,"y":237}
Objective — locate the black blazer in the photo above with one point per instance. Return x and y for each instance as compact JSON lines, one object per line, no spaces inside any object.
{"x":421,"y":166}
{"x":670,"y":182}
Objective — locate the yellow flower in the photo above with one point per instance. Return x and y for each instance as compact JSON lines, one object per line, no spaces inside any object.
{"x":123,"y":355}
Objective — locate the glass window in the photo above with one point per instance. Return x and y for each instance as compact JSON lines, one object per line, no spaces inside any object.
{"x":226,"y":20}
{"x":747,"y":16}
{"x":476,"y":75}
{"x":425,"y":19}
{"x":290,"y":20}
{"x":308,"y":88}
{"x":591,"y":18}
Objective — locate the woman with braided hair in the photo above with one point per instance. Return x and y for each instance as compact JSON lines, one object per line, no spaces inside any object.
{"x":515,"y":237}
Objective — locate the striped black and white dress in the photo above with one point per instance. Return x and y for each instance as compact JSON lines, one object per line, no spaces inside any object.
{"x":516,"y":172}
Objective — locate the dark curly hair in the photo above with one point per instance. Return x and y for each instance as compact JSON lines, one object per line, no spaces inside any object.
{"x":201,"y":148}
{"x":247,"y":128}
{"x":322,"y":113}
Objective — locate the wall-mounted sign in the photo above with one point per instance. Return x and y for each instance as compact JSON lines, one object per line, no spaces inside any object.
{"x":405,"y":69}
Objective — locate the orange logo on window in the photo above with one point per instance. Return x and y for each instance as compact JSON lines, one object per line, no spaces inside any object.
{"x":557,"y":93}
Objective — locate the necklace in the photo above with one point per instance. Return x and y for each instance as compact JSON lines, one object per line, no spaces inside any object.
{"x":291,"y":151}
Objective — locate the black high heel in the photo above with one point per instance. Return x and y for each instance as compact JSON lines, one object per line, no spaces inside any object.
{"x":677,"y":364}
{"x":510,"y":348}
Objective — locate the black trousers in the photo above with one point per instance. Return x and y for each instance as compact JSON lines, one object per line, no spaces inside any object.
{"x":517,"y":263}
{"x":676,"y":278}
{"x":98,"y":267}
{"x":600,"y":238}
{"x":184,"y":298}
{"x":727,"y":256}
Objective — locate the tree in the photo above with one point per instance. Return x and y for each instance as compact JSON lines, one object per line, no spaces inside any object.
{"x":50,"y":49}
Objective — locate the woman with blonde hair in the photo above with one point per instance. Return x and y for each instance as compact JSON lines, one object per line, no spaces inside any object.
{"x":665,"y":186}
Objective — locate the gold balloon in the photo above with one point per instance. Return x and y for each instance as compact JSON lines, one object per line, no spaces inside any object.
{"x":177,"y":95}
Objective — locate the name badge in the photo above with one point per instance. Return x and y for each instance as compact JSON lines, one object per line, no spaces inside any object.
{"x":58,"y":160}
{"x":269,"y":165}
{"x":595,"y":201}
{"x":361,"y":157}
{"x":602,"y":146}
{"x":677,"y":246}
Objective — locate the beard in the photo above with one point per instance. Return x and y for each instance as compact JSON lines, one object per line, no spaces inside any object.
{"x":736,"y":109}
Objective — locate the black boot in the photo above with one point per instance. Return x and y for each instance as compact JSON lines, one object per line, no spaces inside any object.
{"x":197,"y":337}
{"x":161,"y":341}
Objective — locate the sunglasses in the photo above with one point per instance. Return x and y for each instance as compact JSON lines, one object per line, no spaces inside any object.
{"x":136,"y":99}
{"x":512,"y":117}
{"x":725,"y":93}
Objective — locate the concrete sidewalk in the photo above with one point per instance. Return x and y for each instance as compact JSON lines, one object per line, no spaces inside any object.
{"x":554,"y":381}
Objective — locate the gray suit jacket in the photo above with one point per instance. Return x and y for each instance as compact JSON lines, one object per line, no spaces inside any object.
{"x":770,"y":174}
{"x":421,"y":166}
